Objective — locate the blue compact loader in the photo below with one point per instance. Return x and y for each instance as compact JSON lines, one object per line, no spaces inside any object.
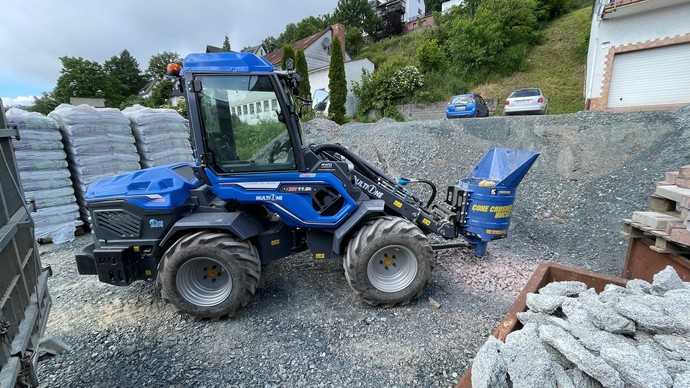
{"x":257,"y":193}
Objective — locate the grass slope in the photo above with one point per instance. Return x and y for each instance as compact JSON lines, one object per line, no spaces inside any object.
{"x":557,"y":66}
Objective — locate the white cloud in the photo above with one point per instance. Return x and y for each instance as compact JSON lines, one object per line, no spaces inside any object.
{"x":18,"y":101}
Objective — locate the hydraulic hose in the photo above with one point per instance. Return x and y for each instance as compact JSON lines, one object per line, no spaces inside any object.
{"x":432,"y":198}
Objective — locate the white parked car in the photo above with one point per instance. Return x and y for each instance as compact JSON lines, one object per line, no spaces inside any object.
{"x":525,"y":101}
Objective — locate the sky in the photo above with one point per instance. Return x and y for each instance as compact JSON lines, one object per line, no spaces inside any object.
{"x":35,"y":33}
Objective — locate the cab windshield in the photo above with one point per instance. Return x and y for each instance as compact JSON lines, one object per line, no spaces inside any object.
{"x":240,"y":116}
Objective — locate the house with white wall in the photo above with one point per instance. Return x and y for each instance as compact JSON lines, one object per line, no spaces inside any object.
{"x":414,"y":9}
{"x":317,"y":51}
{"x":639,"y":55}
{"x":449,"y":5}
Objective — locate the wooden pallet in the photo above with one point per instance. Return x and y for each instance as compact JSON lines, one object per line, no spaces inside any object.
{"x":663,"y":242}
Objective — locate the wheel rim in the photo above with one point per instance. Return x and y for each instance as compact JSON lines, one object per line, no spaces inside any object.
{"x":392,"y":268}
{"x":204,"y":282}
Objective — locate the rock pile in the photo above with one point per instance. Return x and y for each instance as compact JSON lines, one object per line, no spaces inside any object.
{"x":162,"y":136}
{"x":45,"y":176}
{"x":632,"y":336}
{"x":99,"y":143}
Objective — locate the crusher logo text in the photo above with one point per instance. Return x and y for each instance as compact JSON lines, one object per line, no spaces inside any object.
{"x":270,"y":197}
{"x":368,"y":188}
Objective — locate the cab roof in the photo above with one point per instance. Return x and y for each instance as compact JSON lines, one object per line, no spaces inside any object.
{"x":226,"y":62}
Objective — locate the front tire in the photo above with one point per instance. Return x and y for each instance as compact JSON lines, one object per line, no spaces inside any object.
{"x":388,"y":262}
{"x":210,"y":274}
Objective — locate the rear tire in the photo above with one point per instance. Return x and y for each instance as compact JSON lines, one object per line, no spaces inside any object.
{"x":388,"y":262}
{"x":210,"y":274}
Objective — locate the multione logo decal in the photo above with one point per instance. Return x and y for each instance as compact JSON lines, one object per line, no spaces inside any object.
{"x":368,"y":188}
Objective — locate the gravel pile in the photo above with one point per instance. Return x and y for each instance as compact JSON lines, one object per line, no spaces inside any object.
{"x":45,"y":176}
{"x":99,"y":144}
{"x":632,"y":336}
{"x":595,"y":169}
{"x":161,"y":135}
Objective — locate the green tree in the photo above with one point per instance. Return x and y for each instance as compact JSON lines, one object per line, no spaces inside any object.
{"x":80,"y":78}
{"x":159,"y":62}
{"x":496,"y":40}
{"x":226,"y":44}
{"x":44,"y":104}
{"x":337,"y":84}
{"x":354,"y":40}
{"x":124,"y":78}
{"x":302,"y":69}
{"x":288,"y":53}
{"x":548,"y":10}
{"x":357,"y":14}
{"x":433,"y":6}
{"x":302,"y":29}
{"x":269,"y":44}
{"x":431,"y":57}
{"x":160,"y":94}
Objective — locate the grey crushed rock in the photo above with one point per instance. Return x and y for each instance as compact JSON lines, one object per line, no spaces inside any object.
{"x":583,"y":380}
{"x":676,"y":368}
{"x":605,"y":317}
{"x":567,"y":288}
{"x":544,"y":303}
{"x":563,"y":379}
{"x":682,"y":381}
{"x":677,"y":346}
{"x":529,"y":364}
{"x":489,"y":369}
{"x":576,"y":313}
{"x":676,"y":305}
{"x":639,"y":286}
{"x":650,"y":319}
{"x":666,"y":280}
{"x":612,"y":293}
{"x":637,"y":368}
{"x":581,"y":357}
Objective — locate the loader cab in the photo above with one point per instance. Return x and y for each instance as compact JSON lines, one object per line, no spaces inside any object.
{"x":242,"y":115}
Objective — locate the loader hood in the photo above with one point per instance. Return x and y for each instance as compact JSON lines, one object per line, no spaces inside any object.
{"x":160,"y":188}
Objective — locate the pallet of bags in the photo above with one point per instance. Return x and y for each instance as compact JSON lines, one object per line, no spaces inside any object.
{"x":99,"y":144}
{"x":162,"y":136}
{"x":45,"y":176}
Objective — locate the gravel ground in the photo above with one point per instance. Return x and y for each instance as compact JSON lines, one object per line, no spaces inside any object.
{"x":305,"y":328}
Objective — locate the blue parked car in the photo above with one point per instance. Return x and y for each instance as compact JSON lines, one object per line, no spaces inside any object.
{"x":467,"y":105}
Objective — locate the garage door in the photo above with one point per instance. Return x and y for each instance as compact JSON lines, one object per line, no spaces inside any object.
{"x":651,"y":77}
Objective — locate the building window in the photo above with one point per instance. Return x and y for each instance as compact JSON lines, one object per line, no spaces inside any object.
{"x":267,"y":106}
{"x":244,"y":109}
{"x":251,"y":108}
{"x":258,"y":107}
{"x":275,"y":104}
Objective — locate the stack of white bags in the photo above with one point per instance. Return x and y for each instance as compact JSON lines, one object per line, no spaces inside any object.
{"x":99,"y":143}
{"x":45,"y":176}
{"x":162,"y":136}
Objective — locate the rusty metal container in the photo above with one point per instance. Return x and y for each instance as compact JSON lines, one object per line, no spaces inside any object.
{"x":642,"y":262}
{"x":544,"y":274}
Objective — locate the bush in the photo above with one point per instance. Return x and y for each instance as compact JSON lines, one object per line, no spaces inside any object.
{"x":496,"y":40}
{"x":431,"y":57}
{"x":386,"y":87}
{"x":548,"y":10}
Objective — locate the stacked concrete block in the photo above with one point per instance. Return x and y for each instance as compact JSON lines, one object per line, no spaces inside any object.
{"x":99,"y":143}
{"x":162,"y":136}
{"x":633,"y":336}
{"x":45,"y":176}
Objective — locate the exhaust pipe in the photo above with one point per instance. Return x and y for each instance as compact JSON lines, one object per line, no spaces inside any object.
{"x":489,"y":193}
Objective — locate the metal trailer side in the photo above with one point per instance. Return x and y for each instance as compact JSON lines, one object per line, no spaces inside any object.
{"x":24,"y":299}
